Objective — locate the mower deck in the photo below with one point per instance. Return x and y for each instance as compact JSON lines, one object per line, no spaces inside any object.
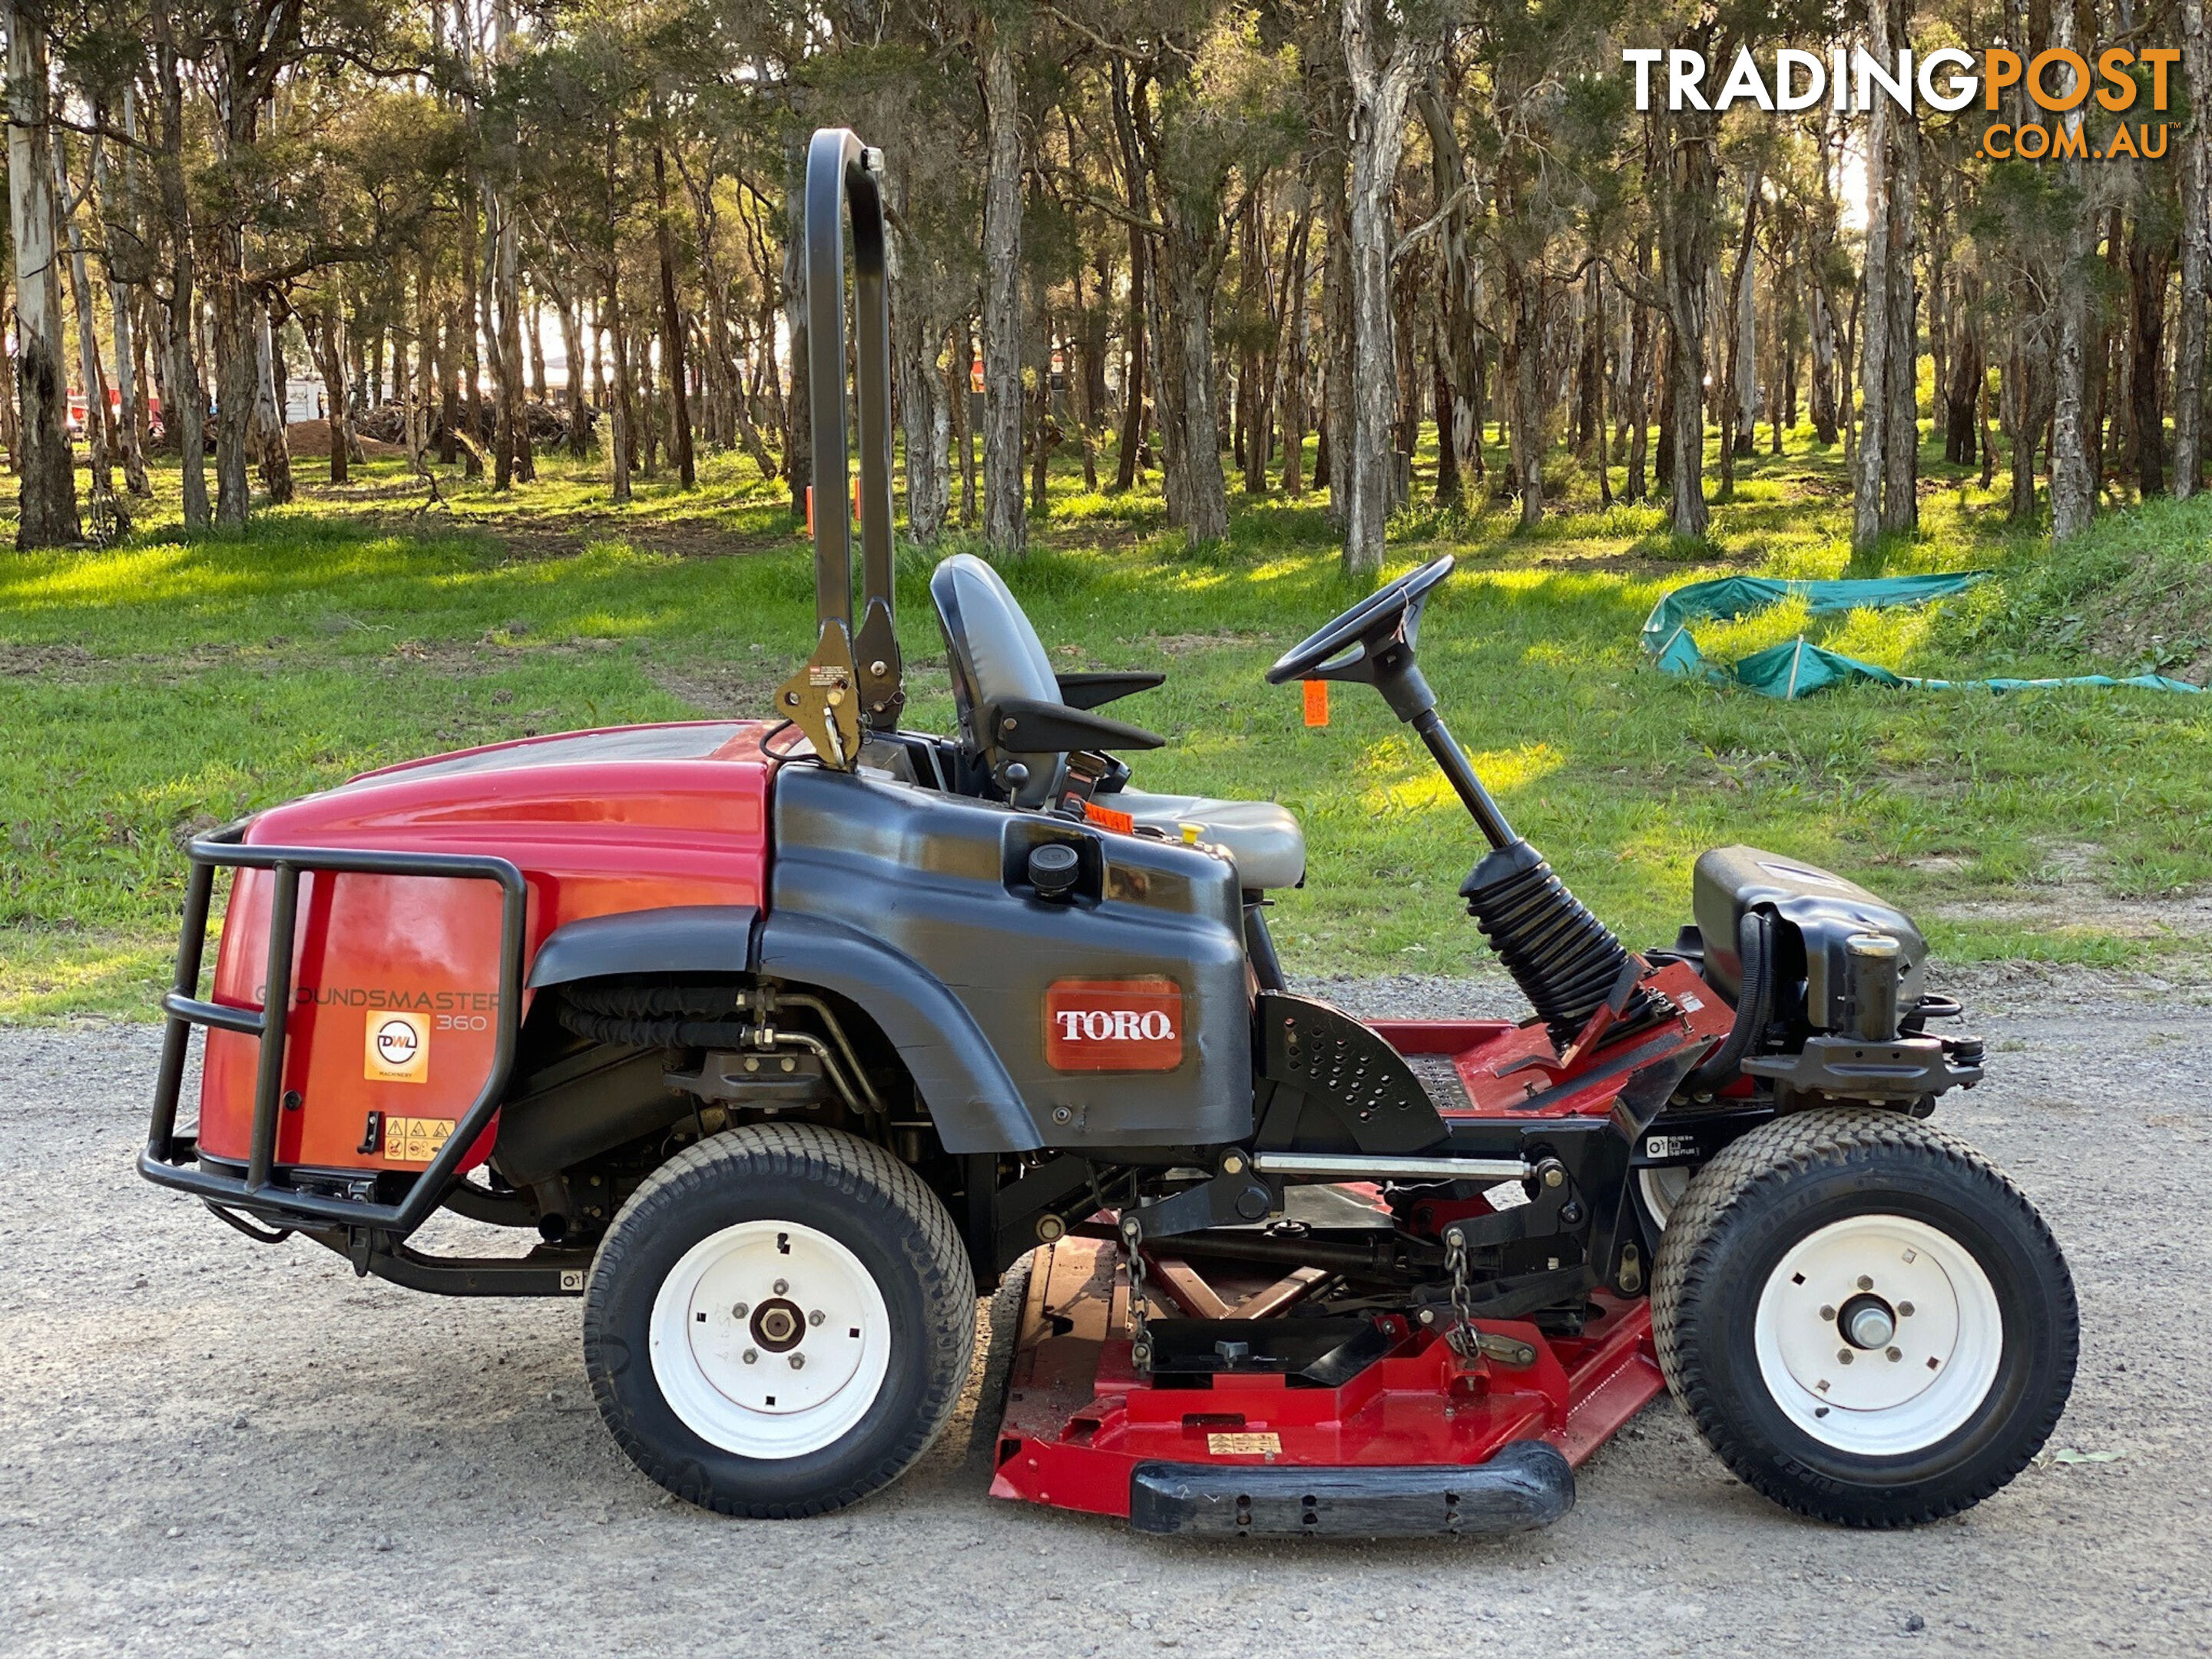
{"x":1389,"y":1432}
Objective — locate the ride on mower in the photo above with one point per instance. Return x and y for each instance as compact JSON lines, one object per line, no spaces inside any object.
{"x":784,"y":1036}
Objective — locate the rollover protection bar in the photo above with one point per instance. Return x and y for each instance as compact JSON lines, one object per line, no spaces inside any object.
{"x":172,"y":1160}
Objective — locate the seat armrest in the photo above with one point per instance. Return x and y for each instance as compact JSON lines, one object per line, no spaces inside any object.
{"x":1027,"y":725}
{"x":1095,"y":690}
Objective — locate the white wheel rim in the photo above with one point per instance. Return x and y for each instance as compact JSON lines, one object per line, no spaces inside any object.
{"x":764,"y":1406}
{"x":1662,"y":1187}
{"x":1897,"y":1396}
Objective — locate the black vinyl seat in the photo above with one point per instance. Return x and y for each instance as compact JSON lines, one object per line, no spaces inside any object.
{"x":995,"y":656}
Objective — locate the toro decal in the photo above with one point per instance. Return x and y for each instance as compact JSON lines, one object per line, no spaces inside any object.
{"x":399,"y":1049}
{"x":1114,"y":1025}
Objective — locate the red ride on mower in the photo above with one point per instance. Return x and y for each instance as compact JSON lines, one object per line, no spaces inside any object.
{"x":784,"y":1036}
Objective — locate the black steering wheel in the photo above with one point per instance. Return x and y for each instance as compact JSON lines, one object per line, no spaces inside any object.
{"x":1346,"y":649}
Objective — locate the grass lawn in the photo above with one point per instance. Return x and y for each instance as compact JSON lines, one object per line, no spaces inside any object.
{"x":166,"y":686}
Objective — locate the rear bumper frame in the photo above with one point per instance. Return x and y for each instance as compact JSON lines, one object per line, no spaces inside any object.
{"x":172,"y":1160}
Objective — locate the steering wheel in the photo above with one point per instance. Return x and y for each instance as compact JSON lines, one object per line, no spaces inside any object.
{"x":1346,"y":649}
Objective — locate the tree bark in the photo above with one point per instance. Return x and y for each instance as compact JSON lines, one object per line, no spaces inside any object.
{"x":1687,"y":169}
{"x":1005,"y":527}
{"x":328,"y":339}
{"x":2196,"y":257}
{"x":672,"y":366}
{"x":49,"y":517}
{"x":2073,"y":470}
{"x":1382,"y":87}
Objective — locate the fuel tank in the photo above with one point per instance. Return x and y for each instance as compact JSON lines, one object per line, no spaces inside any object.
{"x":395,"y":980}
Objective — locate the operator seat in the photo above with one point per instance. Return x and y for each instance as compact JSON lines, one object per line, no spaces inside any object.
{"x":995,"y":655}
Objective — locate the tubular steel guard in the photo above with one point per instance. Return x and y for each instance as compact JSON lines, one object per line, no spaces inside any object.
{"x":844,"y":180}
{"x":167,"y":1153}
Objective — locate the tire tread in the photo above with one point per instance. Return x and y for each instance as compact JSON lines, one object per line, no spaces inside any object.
{"x":858,"y":1171}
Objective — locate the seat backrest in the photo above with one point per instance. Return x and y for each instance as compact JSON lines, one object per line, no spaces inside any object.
{"x":993,"y":654}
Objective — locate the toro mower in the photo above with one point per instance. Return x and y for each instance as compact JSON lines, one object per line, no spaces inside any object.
{"x":781,"y":1037}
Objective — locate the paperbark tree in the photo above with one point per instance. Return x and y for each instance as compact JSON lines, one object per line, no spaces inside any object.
{"x":1006,"y":525}
{"x":2196,"y":257}
{"x":1382,"y":78}
{"x":48,"y":494}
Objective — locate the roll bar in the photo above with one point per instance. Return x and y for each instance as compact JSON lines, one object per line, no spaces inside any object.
{"x":844,"y":174}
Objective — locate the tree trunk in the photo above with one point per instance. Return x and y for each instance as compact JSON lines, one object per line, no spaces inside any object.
{"x":1520,"y":365}
{"x":963,"y":420}
{"x":49,"y":474}
{"x":1738,"y":376}
{"x":268,"y":379}
{"x":2196,"y":257}
{"x":183,"y":408}
{"x":2150,"y":262}
{"x":1006,"y":527}
{"x":328,"y":338}
{"x":671,"y":332}
{"x":2073,"y":470}
{"x":109,"y":518}
{"x":1687,"y":146}
{"x":1380,"y":89}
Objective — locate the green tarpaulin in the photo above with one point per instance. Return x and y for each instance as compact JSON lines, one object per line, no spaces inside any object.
{"x":1800,"y":668}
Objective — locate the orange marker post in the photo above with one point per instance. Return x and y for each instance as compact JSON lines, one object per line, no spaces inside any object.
{"x":1316,"y":702}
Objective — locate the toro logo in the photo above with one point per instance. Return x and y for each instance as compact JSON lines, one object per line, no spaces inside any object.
{"x":1114,"y":1025}
{"x":399,"y":1048}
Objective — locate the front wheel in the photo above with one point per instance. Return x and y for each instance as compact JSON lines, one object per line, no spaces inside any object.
{"x":1867,"y":1321}
{"x":780,"y":1321}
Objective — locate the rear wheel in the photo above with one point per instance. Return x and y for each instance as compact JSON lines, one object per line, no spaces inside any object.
{"x":780,"y":1321}
{"x":1868,"y":1322}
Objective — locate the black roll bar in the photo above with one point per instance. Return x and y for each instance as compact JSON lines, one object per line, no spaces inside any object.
{"x":169,"y":1159}
{"x":842,"y":172}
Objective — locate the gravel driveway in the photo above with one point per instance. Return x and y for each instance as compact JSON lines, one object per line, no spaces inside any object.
{"x":208,"y":1447}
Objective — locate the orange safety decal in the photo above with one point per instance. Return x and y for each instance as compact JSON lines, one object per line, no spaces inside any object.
{"x":1316,"y":702}
{"x":1107,"y":819}
{"x":1114,"y":1025}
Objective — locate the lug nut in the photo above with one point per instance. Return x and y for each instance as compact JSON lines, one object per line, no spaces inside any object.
{"x":752,"y":1356}
{"x":1827,"y":1313}
{"x":1904,"y":1311}
{"x":741,"y":1310}
{"x":1865,"y":1284}
{"x":798,"y":1361}
{"x":814,"y":1318}
{"x":1895,"y":1354}
{"x":780,"y":1287}
{"x":1844,"y":1355}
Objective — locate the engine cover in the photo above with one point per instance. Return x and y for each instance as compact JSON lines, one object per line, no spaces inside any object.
{"x":1823,"y":908}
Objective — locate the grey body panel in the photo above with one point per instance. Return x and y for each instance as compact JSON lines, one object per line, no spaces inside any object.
{"x":974,"y":1102}
{"x":937,"y":881}
{"x":1823,"y":908}
{"x":688,"y":938}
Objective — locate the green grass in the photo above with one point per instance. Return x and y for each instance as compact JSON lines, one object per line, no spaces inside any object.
{"x":168,"y":685}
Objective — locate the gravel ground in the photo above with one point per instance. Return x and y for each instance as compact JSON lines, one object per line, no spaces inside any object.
{"x":207,"y":1447}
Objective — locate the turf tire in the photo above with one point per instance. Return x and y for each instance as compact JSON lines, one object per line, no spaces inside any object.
{"x":860,"y":1195}
{"x":1779,"y":1185}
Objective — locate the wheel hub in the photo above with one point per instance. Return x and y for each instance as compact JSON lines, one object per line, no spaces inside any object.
{"x":1878,"y":1335}
{"x":770,"y":1339}
{"x":1867,"y":1321}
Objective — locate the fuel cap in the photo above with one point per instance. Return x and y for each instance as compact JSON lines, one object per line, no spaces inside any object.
{"x":1053,"y":867}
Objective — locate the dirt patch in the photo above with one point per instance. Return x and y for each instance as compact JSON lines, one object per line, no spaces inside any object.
{"x":311,"y":440}
{"x":528,"y":540}
{"x":45,"y":662}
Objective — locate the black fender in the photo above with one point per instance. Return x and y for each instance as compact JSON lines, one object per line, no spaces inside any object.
{"x":684,"y":938}
{"x":957,"y":1073}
